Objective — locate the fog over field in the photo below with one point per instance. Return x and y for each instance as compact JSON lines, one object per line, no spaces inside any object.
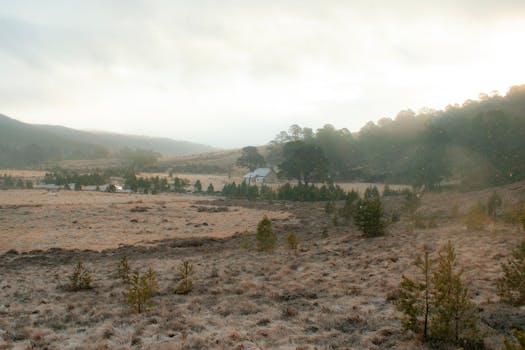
{"x":295,"y":175}
{"x":209,"y":71}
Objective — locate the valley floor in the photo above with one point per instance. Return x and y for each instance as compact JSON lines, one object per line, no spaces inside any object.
{"x":333,"y":293}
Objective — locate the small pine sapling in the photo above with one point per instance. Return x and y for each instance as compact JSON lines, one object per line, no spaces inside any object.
{"x":454,"y":318}
{"x":124,"y":269}
{"x":80,"y":279}
{"x":265,"y":237}
{"x":415,"y":298}
{"x":137,"y":293}
{"x":291,"y":239}
{"x":151,"y":282}
{"x":511,"y":286}
{"x":348,"y":209}
{"x":185,"y":282}
{"x":368,"y":216}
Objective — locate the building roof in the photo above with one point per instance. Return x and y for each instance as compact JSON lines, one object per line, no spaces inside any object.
{"x":259,"y":172}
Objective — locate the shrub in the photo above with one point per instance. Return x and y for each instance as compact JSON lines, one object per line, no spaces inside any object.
{"x":210,"y":189}
{"x":387,"y":191}
{"x":494,"y":204}
{"x":437,"y":305}
{"x":138,"y":293}
{"x":520,"y":338}
{"x":246,"y":243}
{"x":265,"y":237}
{"x":80,"y":279}
{"x":453,"y":318}
{"x":185,"y":282}
{"x":511,"y":287}
{"x":151,"y":282}
{"x":124,"y":269}
{"x":324,"y":233}
{"x":348,"y":210}
{"x":476,"y":218}
{"x":414,"y":298}
{"x":197,"y":186}
{"x":291,"y":239}
{"x":368,"y":216}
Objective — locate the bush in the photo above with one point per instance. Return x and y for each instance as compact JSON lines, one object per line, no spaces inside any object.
{"x":80,"y":279}
{"x":348,"y":210}
{"x":368,"y":216}
{"x":291,"y":239}
{"x":414,"y":298}
{"x":265,"y":237}
{"x":124,"y":269}
{"x":476,"y":218}
{"x":387,"y":191}
{"x":197,"y":186}
{"x":185,"y":282}
{"x":511,"y":287}
{"x":438,"y":305}
{"x":152,"y":284}
{"x":453,"y":317}
{"x":140,"y":289}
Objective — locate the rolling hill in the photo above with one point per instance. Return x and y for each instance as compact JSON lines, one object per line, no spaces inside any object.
{"x":23,"y":144}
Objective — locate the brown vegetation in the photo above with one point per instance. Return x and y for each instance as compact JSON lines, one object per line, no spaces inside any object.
{"x":334,"y":292}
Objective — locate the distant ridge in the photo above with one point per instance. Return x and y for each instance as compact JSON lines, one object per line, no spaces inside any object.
{"x":23,"y":144}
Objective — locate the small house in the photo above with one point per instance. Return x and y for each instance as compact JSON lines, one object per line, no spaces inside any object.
{"x":260,"y":176}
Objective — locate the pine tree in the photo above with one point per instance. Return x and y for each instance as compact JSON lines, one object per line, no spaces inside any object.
{"x":124,"y":269}
{"x":265,"y":237}
{"x":453,"y":319}
{"x":511,"y":287}
{"x":185,"y":282}
{"x":291,"y":239}
{"x":138,"y":292}
{"x":415,"y":298}
{"x":368,"y":216}
{"x":80,"y":279}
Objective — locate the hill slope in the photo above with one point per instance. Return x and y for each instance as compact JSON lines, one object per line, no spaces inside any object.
{"x":23,"y":144}
{"x":115,"y":142}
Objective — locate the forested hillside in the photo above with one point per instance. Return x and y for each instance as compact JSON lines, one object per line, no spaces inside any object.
{"x":475,"y":144}
{"x":24,"y":144}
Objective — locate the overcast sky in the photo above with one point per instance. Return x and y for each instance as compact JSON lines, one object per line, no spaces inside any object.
{"x":234,"y":73}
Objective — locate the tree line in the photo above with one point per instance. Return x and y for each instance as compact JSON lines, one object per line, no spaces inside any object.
{"x":476,"y":144}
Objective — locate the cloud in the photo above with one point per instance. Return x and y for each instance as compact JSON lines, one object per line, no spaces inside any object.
{"x":158,"y":66}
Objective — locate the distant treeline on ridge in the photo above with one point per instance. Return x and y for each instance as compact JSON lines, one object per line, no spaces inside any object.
{"x":476,"y":144}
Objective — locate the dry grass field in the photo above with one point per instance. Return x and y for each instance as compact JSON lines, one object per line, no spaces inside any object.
{"x":332,"y":293}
